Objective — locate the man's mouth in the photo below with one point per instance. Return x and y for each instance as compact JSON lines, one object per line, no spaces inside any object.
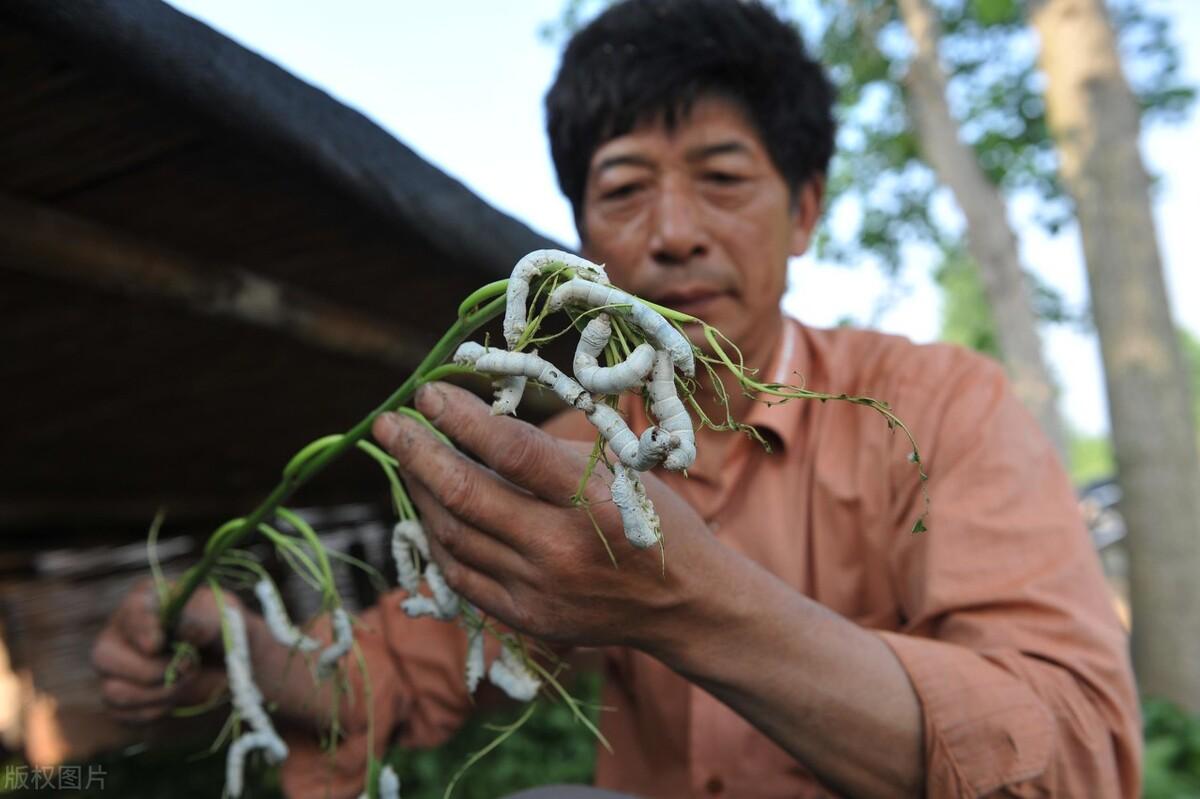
{"x":692,"y":301}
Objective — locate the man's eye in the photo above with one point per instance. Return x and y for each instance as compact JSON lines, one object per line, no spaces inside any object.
{"x":723,"y":178}
{"x":621,"y":192}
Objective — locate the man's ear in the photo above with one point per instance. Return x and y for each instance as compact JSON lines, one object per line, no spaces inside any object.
{"x":806,"y":210}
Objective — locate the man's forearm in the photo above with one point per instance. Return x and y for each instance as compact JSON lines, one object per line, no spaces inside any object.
{"x":829,"y":692}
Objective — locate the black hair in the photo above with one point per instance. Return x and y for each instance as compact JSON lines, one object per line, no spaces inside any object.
{"x":652,"y":59}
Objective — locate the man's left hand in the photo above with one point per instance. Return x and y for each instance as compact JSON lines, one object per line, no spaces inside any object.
{"x":507,"y":538}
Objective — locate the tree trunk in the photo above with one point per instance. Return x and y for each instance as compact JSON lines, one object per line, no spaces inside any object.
{"x":990,"y":240}
{"x":1094,"y":119}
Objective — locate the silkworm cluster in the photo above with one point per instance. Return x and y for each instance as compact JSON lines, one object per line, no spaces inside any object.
{"x":651,"y":364}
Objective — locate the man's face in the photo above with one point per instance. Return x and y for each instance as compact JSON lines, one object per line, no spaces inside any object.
{"x":699,"y":219}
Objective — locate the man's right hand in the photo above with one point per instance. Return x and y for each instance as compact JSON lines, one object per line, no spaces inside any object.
{"x":131,"y":660}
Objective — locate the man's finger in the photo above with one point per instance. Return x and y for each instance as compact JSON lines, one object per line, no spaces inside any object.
{"x":518,"y":451}
{"x":466,"y":543}
{"x":122,"y":695}
{"x":142,"y":716}
{"x":137,"y":619}
{"x":471,"y":492}
{"x":474,"y":586}
{"x":112,"y":658}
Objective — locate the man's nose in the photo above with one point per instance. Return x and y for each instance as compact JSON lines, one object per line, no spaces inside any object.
{"x":678,"y":232}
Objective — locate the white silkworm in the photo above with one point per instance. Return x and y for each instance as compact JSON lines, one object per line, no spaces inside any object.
{"x":247,"y":702}
{"x":608,"y":379}
{"x":275,"y":614}
{"x":509,"y":391}
{"x":443,"y":595}
{"x":389,"y":783}
{"x":495,"y":361}
{"x":638,"y":517}
{"x":443,"y":605}
{"x":273,"y":748}
{"x":636,"y":453}
{"x":657,"y":329}
{"x":529,"y":267}
{"x":247,"y":699}
{"x":672,"y":416}
{"x":420,"y":605}
{"x":343,"y":637}
{"x":474,"y":668}
{"x":407,"y":535}
{"x":513,"y":677}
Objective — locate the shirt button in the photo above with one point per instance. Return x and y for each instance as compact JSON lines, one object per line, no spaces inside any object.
{"x":715,"y":785}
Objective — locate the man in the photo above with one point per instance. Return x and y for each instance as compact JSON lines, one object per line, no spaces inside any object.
{"x":802,"y":641}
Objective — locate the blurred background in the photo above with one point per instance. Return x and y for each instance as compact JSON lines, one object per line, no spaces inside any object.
{"x":206,"y":205}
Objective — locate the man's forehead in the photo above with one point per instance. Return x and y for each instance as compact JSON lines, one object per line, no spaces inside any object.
{"x":711,"y":127}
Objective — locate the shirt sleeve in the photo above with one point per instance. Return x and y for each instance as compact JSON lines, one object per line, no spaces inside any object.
{"x":417,"y":699}
{"x":1009,"y":638}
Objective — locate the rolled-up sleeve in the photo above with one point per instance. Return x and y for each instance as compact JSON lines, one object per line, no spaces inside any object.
{"x":1009,"y":637}
{"x":412,"y":691}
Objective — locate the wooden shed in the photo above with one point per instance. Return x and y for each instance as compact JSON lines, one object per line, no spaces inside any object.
{"x":204,"y":263}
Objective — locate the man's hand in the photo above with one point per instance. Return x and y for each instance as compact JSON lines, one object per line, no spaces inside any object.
{"x":507,"y":538}
{"x":130,"y":659}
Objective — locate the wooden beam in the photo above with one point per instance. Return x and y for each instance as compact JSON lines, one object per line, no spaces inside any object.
{"x":43,"y":241}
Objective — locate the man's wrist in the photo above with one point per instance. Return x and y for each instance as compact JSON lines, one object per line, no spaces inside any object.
{"x":698,"y":607}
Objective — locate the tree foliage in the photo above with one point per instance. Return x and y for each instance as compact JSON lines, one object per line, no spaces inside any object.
{"x":882,"y":196}
{"x":966,"y":318}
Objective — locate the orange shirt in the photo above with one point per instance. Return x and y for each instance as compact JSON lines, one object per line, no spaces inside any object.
{"x":999,"y":613}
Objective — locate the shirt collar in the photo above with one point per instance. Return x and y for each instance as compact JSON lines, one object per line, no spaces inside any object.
{"x":788,"y":364}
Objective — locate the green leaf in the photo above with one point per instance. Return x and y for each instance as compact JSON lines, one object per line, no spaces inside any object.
{"x":996,"y":12}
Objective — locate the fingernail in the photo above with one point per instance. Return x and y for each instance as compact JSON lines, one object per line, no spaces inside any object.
{"x":430,"y":400}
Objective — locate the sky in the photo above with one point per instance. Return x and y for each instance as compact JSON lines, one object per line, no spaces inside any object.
{"x":461,"y":82}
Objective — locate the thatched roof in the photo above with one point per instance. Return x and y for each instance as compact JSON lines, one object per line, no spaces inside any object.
{"x":204,"y":263}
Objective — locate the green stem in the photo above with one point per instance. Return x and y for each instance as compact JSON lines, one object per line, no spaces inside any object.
{"x":467,"y":324}
{"x":310,"y":535}
{"x":481,"y":295}
{"x":670,"y":313}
